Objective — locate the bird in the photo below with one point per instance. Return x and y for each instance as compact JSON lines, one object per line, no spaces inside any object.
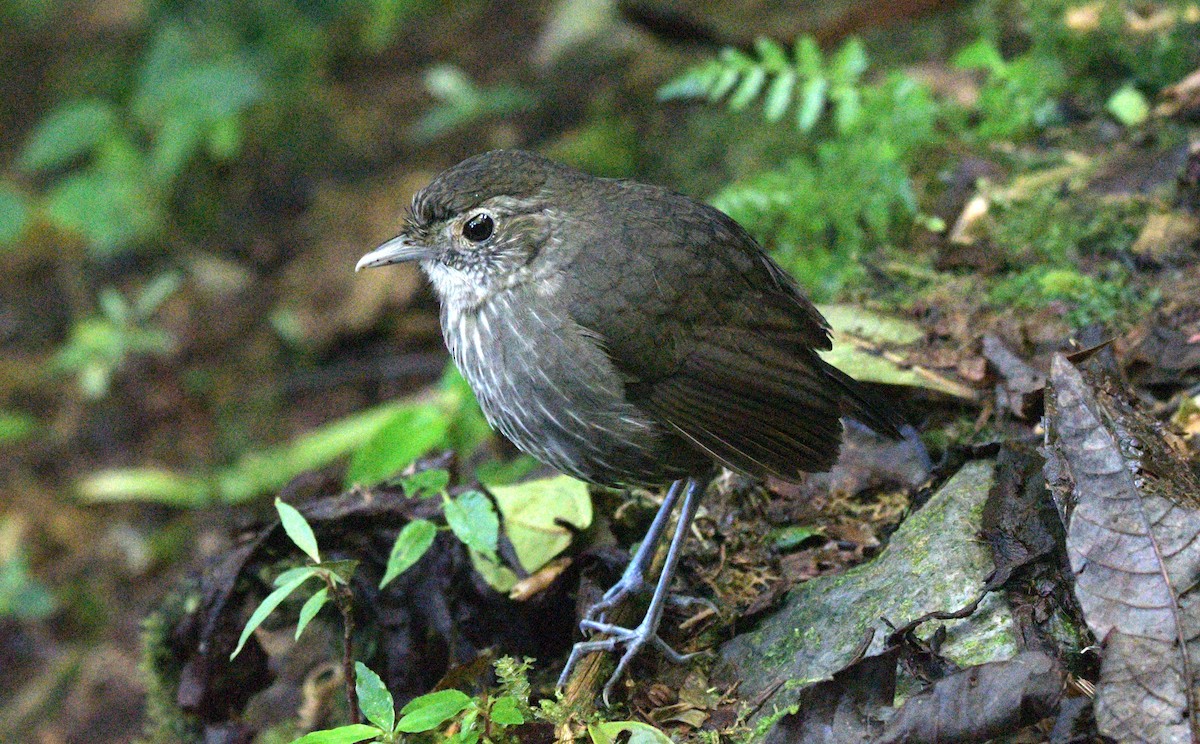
{"x":629,"y":336}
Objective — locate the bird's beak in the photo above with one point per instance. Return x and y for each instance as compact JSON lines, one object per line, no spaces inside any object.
{"x":397,"y":250}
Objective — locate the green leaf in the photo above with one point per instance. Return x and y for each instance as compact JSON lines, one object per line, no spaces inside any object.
{"x":849,"y":62}
{"x":146,"y":484}
{"x":497,"y":575}
{"x":872,"y":326}
{"x":273,"y":600}
{"x":224,"y":139}
{"x":499,"y":473}
{"x":310,"y":609}
{"x":71,"y":130}
{"x":980,"y":55}
{"x":290,"y":575}
{"x":467,"y":723}
{"x":432,"y":481}
{"x":156,"y":293}
{"x":430,"y":711}
{"x":535,"y":513}
{"x":748,"y":89}
{"x":269,"y":469}
{"x":813,"y":95}
{"x":108,"y":208}
{"x":644,"y":733}
{"x":472,"y":518}
{"x":351,"y":734}
{"x":298,"y":529}
{"x":447,"y":82}
{"x":412,"y":543}
{"x":412,"y":430}
{"x":506,"y":712}
{"x":114,"y":307}
{"x":848,"y":108}
{"x":791,"y":536}
{"x":1129,"y":106}
{"x":340,"y":571}
{"x":22,"y":596}
{"x":373,"y":697}
{"x":178,"y":140}
{"x":809,"y":62}
{"x":779,"y":96}
{"x":694,"y":83}
{"x":723,"y":83}
{"x":14,"y":214}
{"x":648,"y":735}
{"x":773,"y":56}
{"x":198,"y":92}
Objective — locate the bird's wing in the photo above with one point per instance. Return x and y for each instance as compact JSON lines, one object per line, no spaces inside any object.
{"x":716,"y":341}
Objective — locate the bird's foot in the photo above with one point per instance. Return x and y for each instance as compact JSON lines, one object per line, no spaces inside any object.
{"x":634,"y":640}
{"x":628,"y":586}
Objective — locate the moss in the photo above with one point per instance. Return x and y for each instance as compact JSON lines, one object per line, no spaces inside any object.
{"x":1056,"y":228}
{"x":165,"y":722}
{"x":1109,"y":299}
{"x":1059,"y":251}
{"x":764,"y":725}
{"x":932,"y":562}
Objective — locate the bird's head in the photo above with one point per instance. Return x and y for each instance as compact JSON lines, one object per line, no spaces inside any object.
{"x":477,"y":228}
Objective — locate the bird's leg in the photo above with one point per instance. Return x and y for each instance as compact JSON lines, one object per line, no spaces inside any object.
{"x":647,"y":632}
{"x":633,"y":581}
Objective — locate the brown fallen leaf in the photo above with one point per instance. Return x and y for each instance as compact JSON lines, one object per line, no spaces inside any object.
{"x":1132,"y":509}
{"x":980,"y":703}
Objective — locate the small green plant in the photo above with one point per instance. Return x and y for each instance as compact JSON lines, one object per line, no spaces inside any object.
{"x":98,"y":346}
{"x":472,"y":720}
{"x":190,"y":89}
{"x":470,"y":516}
{"x":848,"y":185}
{"x":1018,"y":96}
{"x":113,"y":165}
{"x":334,"y":575}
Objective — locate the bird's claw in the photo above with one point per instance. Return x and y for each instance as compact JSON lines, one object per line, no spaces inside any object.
{"x":634,"y":640}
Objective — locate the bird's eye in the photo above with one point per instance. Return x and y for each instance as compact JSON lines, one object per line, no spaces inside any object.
{"x":479,"y":228}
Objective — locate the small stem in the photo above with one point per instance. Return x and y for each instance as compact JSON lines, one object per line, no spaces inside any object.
{"x":345,"y":604}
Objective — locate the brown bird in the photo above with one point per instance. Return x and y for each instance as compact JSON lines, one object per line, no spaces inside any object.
{"x":626,"y":335}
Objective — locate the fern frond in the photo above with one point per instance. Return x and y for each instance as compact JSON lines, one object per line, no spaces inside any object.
{"x":804,"y":79}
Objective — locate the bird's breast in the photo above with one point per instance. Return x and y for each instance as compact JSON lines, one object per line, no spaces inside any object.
{"x":553,"y":391}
